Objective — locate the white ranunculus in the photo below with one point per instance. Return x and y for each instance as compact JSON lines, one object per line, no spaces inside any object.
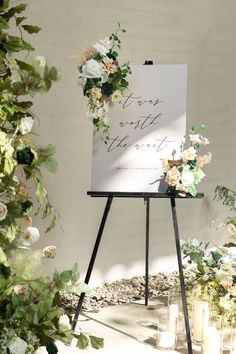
{"x":189,"y":154}
{"x":187,"y":179}
{"x":26,"y":125}
{"x":106,"y":42}
{"x":3,"y":211}
{"x":41,"y":60}
{"x":30,"y":236}
{"x":92,"y":69}
{"x":17,"y":346}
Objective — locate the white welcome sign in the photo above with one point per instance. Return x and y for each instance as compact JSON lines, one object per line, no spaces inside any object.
{"x":148,"y":124}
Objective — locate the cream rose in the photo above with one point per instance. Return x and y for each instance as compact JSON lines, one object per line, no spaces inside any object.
{"x":173,"y":177}
{"x":49,"y":252}
{"x":3,"y":211}
{"x":21,"y":290}
{"x":26,"y":125}
{"x":92,"y":69}
{"x":95,"y":93}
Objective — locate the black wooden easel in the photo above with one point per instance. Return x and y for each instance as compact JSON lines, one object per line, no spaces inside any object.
{"x":146,"y":197}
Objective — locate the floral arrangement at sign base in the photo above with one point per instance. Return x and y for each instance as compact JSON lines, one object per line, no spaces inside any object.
{"x":184,"y":173}
{"x":30,"y":309}
{"x":103,"y":79}
{"x":214,"y":270}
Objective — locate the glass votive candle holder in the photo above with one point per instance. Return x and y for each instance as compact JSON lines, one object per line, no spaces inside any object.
{"x":166,"y":336}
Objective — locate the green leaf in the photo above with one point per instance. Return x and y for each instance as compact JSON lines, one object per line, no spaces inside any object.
{"x":31,"y":29}
{"x":14,"y":10}
{"x":216,"y":256}
{"x":83,"y":341}
{"x":51,"y":165}
{"x":53,"y":73}
{"x":3,"y":23}
{"x":24,"y":66}
{"x":52,"y":224}
{"x":51,"y":348}
{"x":96,"y":342}
{"x":230,"y":244}
{"x":3,"y":258}
{"x":20,"y":19}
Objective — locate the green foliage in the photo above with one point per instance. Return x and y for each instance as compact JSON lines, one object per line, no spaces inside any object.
{"x":29,"y":303}
{"x":227,"y":196}
{"x":213,"y":273}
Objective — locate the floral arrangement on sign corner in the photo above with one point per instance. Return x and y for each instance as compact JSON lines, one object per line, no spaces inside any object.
{"x":30,"y":302}
{"x":103,"y":79}
{"x":183,"y":174}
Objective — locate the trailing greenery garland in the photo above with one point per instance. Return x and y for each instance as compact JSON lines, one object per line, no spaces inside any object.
{"x":29,"y":303}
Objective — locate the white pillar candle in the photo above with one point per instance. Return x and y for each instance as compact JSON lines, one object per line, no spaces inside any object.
{"x":212,"y":341}
{"x":234,"y":347}
{"x":166,"y":340}
{"x":200,"y":319}
{"x":173,"y":316}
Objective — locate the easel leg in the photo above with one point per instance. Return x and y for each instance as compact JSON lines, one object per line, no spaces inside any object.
{"x":181,"y":276}
{"x":147,"y":200}
{"x":92,"y":260}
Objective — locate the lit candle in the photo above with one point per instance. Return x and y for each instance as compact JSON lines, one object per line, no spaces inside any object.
{"x":173,"y":316}
{"x":212,"y":341}
{"x":200,"y":318}
{"x":166,"y":340}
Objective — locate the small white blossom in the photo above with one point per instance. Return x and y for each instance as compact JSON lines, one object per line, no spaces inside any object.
{"x":189,"y":154}
{"x":41,"y":60}
{"x":30,"y":236}
{"x":3,"y":211}
{"x":26,"y":125}
{"x":21,"y":290}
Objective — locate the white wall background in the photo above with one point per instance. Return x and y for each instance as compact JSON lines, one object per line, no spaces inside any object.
{"x":200,"y":33}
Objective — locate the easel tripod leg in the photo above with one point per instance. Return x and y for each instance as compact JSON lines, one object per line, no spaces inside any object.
{"x":181,"y":276}
{"x":147,"y":200}
{"x":92,"y":260}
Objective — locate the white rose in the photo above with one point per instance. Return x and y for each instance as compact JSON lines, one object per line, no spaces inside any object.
{"x":92,"y":69}
{"x":26,"y":125}
{"x":30,"y":236}
{"x":3,"y":211}
{"x":17,"y":346}
{"x":187,"y":179}
{"x":41,"y":60}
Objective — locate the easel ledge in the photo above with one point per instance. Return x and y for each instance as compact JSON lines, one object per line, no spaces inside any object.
{"x":141,"y":195}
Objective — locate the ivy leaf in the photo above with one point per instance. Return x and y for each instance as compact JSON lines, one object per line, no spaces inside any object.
{"x":96,"y":342}
{"x":83,"y":341}
{"x":230,"y":244}
{"x":31,"y":29}
{"x":24,"y":66}
{"x":3,"y":23}
{"x":14,"y":10}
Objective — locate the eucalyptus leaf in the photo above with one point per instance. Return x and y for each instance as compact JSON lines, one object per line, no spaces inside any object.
{"x":83,"y":341}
